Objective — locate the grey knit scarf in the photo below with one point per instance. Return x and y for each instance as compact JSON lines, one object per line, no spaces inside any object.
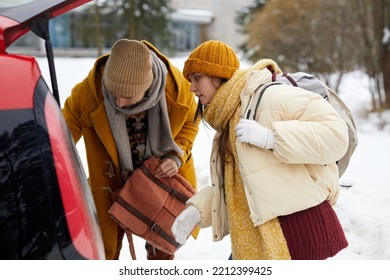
{"x":159,"y":140}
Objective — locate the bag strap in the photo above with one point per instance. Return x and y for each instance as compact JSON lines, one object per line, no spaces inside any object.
{"x":152,"y":225}
{"x":258,"y":100}
{"x":285,"y":74}
{"x":173,"y":192}
{"x":131,"y":245}
{"x":292,"y":81}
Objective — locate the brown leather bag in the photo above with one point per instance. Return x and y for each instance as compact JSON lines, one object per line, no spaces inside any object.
{"x":147,"y":206}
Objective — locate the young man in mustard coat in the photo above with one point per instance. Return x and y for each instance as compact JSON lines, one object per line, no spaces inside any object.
{"x":132,"y":95}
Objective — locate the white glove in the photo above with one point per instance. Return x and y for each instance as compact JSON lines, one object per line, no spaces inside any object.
{"x":252,"y":132}
{"x":185,"y":223}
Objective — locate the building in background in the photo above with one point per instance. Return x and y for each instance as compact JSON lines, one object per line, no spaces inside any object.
{"x":190,"y":27}
{"x":197,"y":21}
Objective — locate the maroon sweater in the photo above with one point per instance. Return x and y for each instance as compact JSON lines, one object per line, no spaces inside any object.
{"x":314,"y":233}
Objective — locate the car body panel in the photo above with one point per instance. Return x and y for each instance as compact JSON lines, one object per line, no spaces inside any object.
{"x":17,"y":94}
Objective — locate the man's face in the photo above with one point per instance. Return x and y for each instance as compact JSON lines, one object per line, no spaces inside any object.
{"x":126,"y":102}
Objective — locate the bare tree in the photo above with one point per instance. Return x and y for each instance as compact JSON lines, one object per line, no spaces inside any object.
{"x":132,"y":29}
{"x":306,"y":35}
{"x":373,"y":19}
{"x":386,"y":50}
{"x":98,"y":29}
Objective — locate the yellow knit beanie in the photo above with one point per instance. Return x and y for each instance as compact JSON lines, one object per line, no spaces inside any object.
{"x":213,"y":58}
{"x":128,"y":71}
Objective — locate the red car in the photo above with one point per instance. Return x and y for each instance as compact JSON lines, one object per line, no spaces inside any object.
{"x":46,"y":207}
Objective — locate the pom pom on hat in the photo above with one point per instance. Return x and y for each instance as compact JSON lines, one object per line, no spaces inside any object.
{"x":128,"y":70}
{"x":213,"y":58}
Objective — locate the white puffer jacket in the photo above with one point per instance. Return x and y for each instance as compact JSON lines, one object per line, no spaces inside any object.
{"x":310,"y":136}
{"x":301,"y":171}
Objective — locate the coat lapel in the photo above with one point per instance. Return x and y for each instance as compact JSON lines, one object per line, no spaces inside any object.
{"x":100,"y":123}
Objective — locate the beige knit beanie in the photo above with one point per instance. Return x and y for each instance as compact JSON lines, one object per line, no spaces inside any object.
{"x":213,"y":58}
{"x":128,"y":71}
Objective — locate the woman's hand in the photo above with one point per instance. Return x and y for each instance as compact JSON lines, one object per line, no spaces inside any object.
{"x":185,"y":223}
{"x":252,"y":132}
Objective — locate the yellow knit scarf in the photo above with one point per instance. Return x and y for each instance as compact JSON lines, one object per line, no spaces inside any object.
{"x":248,"y":242}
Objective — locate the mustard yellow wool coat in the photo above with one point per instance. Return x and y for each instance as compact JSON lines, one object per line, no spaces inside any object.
{"x":86,"y":117}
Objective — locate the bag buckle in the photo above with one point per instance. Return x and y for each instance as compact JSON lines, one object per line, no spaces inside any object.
{"x":174,"y":193}
{"x":155,"y":227}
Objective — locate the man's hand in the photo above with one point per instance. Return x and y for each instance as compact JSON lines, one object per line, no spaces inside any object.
{"x":167,"y":168}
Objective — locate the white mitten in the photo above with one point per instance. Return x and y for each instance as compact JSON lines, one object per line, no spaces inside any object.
{"x":252,"y":132}
{"x":185,"y":223}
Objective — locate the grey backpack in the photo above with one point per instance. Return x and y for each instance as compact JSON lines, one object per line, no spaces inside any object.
{"x":312,"y":83}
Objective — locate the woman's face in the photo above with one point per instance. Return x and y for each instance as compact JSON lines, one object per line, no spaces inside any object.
{"x":204,"y":86}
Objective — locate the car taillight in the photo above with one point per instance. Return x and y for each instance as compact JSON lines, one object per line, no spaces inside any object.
{"x":80,"y":212}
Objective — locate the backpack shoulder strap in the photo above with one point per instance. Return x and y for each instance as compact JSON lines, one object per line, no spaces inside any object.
{"x":252,"y":110}
{"x":291,"y":79}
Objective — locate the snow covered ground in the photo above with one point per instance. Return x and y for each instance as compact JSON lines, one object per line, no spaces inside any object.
{"x":363,"y":209}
